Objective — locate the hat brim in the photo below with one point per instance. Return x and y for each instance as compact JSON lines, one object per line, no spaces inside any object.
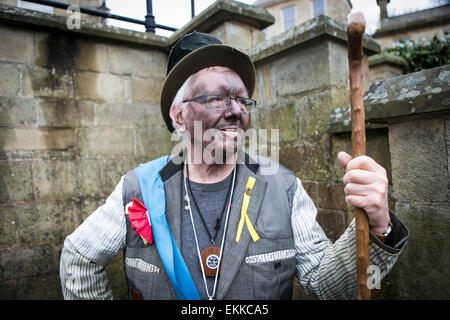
{"x":203,"y":57}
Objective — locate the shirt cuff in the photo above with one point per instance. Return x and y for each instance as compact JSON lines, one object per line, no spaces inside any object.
{"x":396,"y":240}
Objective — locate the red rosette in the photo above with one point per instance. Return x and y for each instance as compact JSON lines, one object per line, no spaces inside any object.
{"x":136,"y":213}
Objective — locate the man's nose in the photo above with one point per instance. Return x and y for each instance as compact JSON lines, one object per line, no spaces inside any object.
{"x":233,"y":110}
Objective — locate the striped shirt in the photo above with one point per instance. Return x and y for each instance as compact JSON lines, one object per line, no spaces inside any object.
{"x":324,"y":269}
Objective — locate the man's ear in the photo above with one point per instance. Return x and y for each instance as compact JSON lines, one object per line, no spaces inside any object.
{"x":176,"y":114}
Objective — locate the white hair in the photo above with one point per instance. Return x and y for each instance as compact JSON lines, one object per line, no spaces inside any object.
{"x":178,"y":100}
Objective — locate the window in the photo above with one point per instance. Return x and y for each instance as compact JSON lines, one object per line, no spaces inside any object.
{"x":289,"y":17}
{"x":318,"y":7}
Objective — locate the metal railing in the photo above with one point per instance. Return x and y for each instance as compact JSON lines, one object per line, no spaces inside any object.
{"x":149,"y":22}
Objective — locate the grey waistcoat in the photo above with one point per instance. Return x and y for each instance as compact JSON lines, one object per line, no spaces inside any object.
{"x":263,"y":269}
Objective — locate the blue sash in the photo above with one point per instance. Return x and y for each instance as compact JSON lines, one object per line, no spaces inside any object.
{"x":152,"y":190}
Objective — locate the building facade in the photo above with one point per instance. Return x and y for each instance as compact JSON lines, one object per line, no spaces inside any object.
{"x":289,"y":13}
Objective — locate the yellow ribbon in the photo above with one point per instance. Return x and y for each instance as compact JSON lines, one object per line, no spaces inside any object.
{"x":244,"y":217}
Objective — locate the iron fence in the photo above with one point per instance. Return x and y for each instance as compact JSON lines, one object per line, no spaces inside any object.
{"x":149,"y":22}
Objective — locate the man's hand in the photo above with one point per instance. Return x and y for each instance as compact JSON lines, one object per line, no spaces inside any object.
{"x":366,"y":187}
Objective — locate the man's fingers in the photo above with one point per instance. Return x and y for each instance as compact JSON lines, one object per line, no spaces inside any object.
{"x":358,"y":189}
{"x":344,"y":158}
{"x":359,"y":176}
{"x":365,"y":163}
{"x":357,"y":201}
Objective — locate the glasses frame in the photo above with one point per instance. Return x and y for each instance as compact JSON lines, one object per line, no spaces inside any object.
{"x":227,"y":105}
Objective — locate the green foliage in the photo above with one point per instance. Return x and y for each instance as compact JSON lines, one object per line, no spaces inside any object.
{"x":423,"y":54}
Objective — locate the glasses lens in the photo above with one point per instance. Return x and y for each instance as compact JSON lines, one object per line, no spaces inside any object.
{"x":246,"y":104}
{"x":217,"y":102}
{"x":221,"y":103}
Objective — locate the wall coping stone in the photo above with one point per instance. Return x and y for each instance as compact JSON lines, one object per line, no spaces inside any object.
{"x":411,"y":96}
{"x":412,"y":21}
{"x":312,"y":29}
{"x":20,"y":16}
{"x":387,"y":58}
{"x":222,"y":11}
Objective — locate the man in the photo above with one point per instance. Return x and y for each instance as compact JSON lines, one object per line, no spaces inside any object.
{"x":217,"y":228}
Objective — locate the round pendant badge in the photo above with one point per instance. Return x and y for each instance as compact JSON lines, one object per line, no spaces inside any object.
{"x":212,"y":261}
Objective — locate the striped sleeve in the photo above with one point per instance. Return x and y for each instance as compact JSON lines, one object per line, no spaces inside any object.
{"x":91,"y":247}
{"x":324,"y":269}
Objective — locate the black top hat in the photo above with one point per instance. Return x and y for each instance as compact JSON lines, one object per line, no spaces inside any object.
{"x":196,"y":51}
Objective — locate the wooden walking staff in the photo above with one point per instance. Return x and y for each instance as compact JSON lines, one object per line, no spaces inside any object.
{"x":355,"y":30}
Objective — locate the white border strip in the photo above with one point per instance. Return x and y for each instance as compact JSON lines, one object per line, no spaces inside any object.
{"x":141,"y":265}
{"x":271,"y":256}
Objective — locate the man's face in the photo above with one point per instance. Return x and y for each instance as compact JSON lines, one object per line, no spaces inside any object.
{"x":225,"y":129}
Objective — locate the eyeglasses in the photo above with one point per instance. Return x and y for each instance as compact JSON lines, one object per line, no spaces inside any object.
{"x":221,"y":103}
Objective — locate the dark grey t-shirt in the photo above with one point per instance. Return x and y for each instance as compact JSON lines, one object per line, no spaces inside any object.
{"x":210,"y":198}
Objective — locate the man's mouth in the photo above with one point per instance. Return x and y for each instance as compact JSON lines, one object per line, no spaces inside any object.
{"x":230,"y":131}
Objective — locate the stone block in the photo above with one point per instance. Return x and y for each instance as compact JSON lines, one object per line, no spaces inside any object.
{"x":13,"y":50}
{"x":114,"y":169}
{"x":423,"y":266}
{"x":26,"y":261}
{"x":147,"y":90}
{"x":16,"y":181}
{"x":55,"y":179}
{"x":125,"y":114}
{"x":8,"y":226}
{"x":153,"y":142}
{"x":9,"y":79}
{"x":45,"y":221}
{"x":58,"y":113}
{"x":106,"y":142}
{"x":86,"y":206}
{"x":63,"y":179}
{"x":17,"y":111}
{"x":299,"y":71}
{"x":331,"y":196}
{"x":126,"y":60}
{"x":377,"y":147}
{"x":36,"y":139}
{"x":311,"y":189}
{"x":238,"y":35}
{"x":91,"y":56}
{"x":419,"y":161}
{"x":44,"y":287}
{"x":280,"y":116}
{"x":48,"y":82}
{"x":86,"y":110}
{"x":408,"y":96}
{"x":8,"y":291}
{"x":101,"y":87}
{"x":89,"y":181}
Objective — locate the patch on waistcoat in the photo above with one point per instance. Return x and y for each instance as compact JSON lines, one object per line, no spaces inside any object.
{"x":141,"y":265}
{"x":271,"y":256}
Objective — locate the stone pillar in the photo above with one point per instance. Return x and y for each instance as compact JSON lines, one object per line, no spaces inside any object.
{"x":416,"y":108}
{"x":385,"y":65}
{"x":383,"y":8}
{"x":234,"y":23}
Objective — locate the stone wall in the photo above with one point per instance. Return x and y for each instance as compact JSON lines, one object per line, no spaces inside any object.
{"x":77,"y":110}
{"x":414,"y":111}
